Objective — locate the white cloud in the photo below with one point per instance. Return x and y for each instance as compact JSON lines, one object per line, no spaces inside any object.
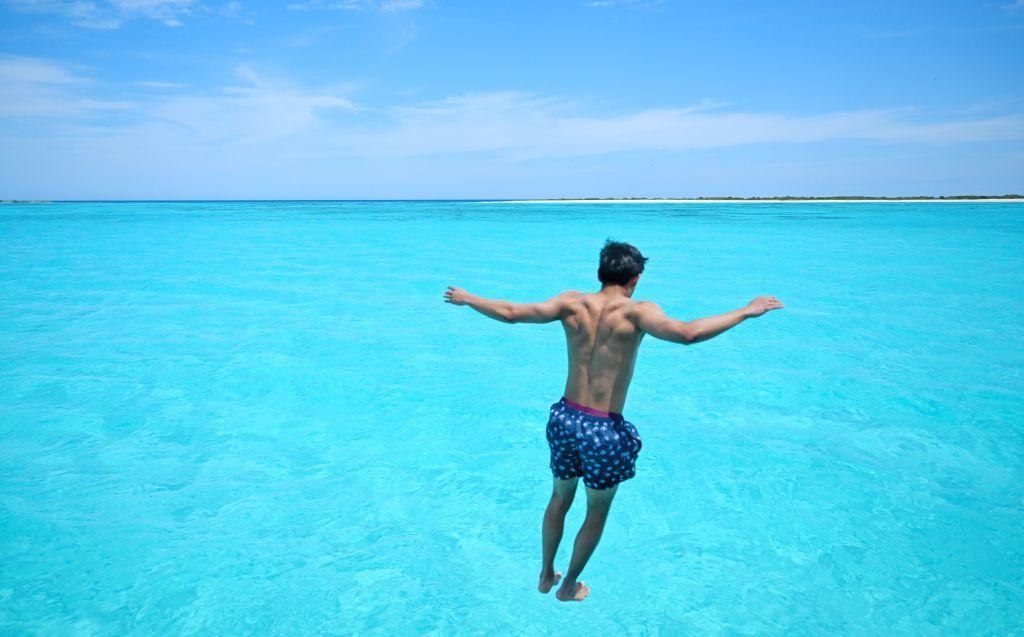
{"x":400,"y":5}
{"x":356,"y":5}
{"x":160,"y":85}
{"x":32,"y":87}
{"x":34,"y":71}
{"x":235,"y":10}
{"x":522,"y":126}
{"x":111,"y":14}
{"x":604,"y":4}
{"x":511,"y":124}
{"x":265,"y":131}
{"x":259,"y":110}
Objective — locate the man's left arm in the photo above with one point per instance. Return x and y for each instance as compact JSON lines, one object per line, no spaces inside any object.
{"x":508,"y":312}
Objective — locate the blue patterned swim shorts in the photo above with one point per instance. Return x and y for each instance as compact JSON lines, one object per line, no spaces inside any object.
{"x":601,"y":449}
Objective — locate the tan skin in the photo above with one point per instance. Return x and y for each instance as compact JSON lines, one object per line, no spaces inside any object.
{"x":603,"y":331}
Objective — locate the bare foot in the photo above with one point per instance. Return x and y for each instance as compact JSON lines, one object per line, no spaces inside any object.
{"x":577,"y":595}
{"x":547,"y":582}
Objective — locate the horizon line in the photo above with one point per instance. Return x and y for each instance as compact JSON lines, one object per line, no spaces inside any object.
{"x":725,"y":198}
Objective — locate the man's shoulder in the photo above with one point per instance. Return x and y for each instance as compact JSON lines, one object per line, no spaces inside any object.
{"x":637,"y":310}
{"x":645,"y":306}
{"x":569,"y":302}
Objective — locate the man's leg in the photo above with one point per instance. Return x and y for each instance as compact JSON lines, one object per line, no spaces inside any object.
{"x":599,"y":501}
{"x":554,"y":522}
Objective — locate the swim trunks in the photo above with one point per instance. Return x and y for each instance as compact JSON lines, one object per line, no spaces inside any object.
{"x":600,"y":446}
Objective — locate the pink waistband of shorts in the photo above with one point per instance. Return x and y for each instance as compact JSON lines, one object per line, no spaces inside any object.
{"x":590,"y":410}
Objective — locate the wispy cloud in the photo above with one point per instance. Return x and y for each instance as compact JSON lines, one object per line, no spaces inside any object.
{"x":111,"y":14}
{"x":400,"y":5}
{"x":356,"y":5}
{"x":160,"y":85}
{"x":237,"y":11}
{"x":25,"y":70}
{"x":32,"y":87}
{"x":512,"y":124}
{"x":522,"y":126}
{"x":515,"y":123}
{"x":255,"y":110}
{"x":604,"y":4}
{"x":269,"y":126}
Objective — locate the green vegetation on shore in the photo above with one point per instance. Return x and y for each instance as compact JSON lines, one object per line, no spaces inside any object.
{"x":794,"y":198}
{"x":727,"y":198}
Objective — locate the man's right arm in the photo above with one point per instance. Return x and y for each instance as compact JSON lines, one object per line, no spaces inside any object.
{"x":652,"y":320}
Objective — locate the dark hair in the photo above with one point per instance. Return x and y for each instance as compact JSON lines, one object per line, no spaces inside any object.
{"x":620,"y":262}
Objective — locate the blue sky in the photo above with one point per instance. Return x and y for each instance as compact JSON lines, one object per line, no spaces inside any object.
{"x":182,"y":99}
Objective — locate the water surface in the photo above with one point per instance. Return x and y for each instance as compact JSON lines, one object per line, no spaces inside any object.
{"x":259,"y":418}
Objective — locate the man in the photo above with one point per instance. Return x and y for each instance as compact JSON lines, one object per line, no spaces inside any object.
{"x":586,"y":432}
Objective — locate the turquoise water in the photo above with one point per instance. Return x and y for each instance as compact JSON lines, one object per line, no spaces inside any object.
{"x":257,"y":418}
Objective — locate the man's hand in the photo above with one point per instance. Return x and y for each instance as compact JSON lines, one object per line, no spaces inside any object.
{"x":455,"y":296}
{"x":762,"y":304}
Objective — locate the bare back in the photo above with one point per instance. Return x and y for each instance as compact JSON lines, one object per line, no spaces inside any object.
{"x":602,"y":340}
{"x":603,"y":332}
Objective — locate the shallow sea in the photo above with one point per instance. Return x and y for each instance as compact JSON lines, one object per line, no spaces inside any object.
{"x":256,"y":418}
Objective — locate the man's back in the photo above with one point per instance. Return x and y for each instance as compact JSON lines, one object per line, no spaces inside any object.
{"x":602,"y":339}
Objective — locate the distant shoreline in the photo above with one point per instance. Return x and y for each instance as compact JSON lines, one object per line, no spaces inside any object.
{"x":1014,"y":198}
{"x":955,"y":199}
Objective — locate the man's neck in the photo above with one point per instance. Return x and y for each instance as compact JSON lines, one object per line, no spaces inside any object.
{"x":615,"y":291}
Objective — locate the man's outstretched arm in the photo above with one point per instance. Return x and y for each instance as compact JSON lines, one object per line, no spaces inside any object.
{"x":652,"y":320}
{"x":508,"y":312}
